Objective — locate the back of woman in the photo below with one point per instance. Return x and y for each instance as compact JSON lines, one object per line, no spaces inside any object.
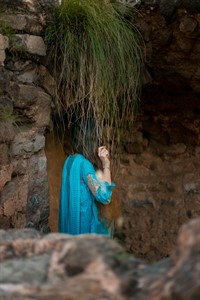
{"x":83,"y":192}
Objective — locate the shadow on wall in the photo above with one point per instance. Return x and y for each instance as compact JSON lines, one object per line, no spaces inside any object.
{"x":55,"y":160}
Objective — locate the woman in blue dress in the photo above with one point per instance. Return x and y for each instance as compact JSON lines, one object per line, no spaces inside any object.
{"x":84,"y":193}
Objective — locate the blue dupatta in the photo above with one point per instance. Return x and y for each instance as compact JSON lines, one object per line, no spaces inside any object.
{"x":69,"y":214}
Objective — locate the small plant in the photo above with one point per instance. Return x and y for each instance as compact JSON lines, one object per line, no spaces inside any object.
{"x":5,"y":29}
{"x":95,"y":56}
{"x":14,"y":116}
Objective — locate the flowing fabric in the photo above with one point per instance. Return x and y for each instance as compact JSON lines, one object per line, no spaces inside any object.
{"x":80,"y":189}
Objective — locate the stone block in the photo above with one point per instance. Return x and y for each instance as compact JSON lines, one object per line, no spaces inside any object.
{"x":46,"y":80}
{"x":167,"y":8}
{"x":2,"y":57}
{"x":22,"y":145}
{"x":30,"y":44}
{"x":4,"y":42}
{"x":22,"y":190}
{"x":5,"y":175}
{"x":188,"y":24}
{"x":41,"y":112}
{"x":24,"y":95}
{"x":34,"y":201}
{"x":18,"y":220}
{"x":24,"y":149}
{"x":4,"y":222}
{"x":4,"y":157}
{"x":29,"y":76}
{"x":184,"y":44}
{"x":26,"y":142}
{"x":7,"y":131}
{"x":191,"y":188}
{"x":192,"y":7}
{"x":26,"y":23}
{"x":39,"y":142}
{"x":175,"y":149}
{"x":9,"y":192}
{"x":19,"y":167}
{"x":4,"y":81}
{"x":45,"y":214}
{"x":14,"y":197}
{"x":6,"y":103}
{"x":38,"y":196}
{"x":6,"y":126}
{"x":9,"y":207}
{"x":23,"y":71}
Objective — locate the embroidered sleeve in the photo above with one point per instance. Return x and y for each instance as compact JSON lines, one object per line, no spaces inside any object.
{"x":93,"y":184}
{"x":100,"y":189}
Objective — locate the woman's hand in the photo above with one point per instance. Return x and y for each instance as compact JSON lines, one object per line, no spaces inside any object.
{"x":104,"y":156}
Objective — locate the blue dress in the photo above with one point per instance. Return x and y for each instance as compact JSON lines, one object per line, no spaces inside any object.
{"x":80,"y":189}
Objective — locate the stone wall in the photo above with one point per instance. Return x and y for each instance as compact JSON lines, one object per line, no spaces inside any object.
{"x":25,"y":110}
{"x":158,"y":179}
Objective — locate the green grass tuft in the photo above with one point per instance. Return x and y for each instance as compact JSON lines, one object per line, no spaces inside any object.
{"x":5,"y":29}
{"x":95,"y":56}
{"x":13,"y":116}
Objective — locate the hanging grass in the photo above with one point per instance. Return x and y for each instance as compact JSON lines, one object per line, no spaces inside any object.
{"x":95,"y":57}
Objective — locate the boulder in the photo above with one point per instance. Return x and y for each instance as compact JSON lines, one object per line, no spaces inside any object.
{"x":92,"y":267}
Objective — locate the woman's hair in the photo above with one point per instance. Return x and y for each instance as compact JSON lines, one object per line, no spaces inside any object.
{"x":86,"y":141}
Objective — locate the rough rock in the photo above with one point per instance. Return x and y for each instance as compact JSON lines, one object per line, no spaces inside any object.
{"x":4,"y":156}
{"x":4,"y":81}
{"x":3,"y":46}
{"x":40,"y":112}
{"x":24,"y":22}
{"x":7,"y":131}
{"x":23,"y":95}
{"x":4,"y":42}
{"x":5,"y":175}
{"x":26,"y":142}
{"x":95,"y":267}
{"x":46,"y":81}
{"x":23,"y":71}
{"x":28,"y":43}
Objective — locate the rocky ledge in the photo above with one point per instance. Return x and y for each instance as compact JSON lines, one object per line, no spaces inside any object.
{"x":58,"y":266}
